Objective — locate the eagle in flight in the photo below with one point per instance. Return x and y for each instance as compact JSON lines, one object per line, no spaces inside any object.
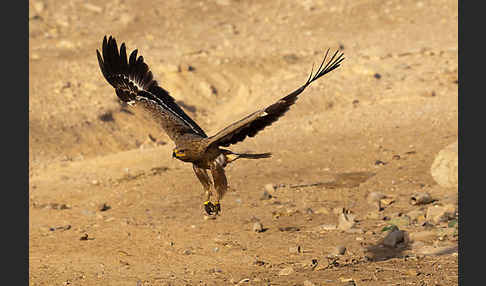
{"x":135,"y":85}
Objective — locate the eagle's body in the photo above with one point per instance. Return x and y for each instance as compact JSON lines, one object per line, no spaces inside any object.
{"x":134,"y":84}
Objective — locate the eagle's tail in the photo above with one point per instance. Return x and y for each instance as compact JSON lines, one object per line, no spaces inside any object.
{"x":254,"y":156}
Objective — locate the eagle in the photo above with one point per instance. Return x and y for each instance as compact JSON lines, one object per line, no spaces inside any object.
{"x":135,"y":85}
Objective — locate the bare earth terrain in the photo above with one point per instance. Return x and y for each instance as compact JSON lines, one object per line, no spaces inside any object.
{"x":108,"y":205}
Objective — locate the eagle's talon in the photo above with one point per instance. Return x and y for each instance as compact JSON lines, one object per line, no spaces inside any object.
{"x":209,"y":207}
{"x":217,"y":208}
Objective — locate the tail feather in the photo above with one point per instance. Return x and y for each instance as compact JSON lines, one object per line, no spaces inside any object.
{"x":255,"y":156}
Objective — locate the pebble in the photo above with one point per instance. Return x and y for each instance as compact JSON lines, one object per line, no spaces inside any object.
{"x":444,"y":169}
{"x":437,"y":214}
{"x":325,"y":227}
{"x":295,"y":249}
{"x":374,"y":199}
{"x":338,"y":250}
{"x":308,"y":283}
{"x":420,"y":198}
{"x":187,"y":252}
{"x":269,"y":188}
{"x":346,"y":221}
{"x":394,"y":237}
{"x":265,"y":196}
{"x":402,"y":220}
{"x":286,"y":271}
{"x":322,"y":210}
{"x":257,"y":227}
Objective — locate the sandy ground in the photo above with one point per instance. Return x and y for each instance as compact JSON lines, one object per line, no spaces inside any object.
{"x":109,"y":206}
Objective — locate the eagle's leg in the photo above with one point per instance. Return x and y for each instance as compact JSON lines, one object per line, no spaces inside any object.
{"x":203,"y":177}
{"x":220,"y":184}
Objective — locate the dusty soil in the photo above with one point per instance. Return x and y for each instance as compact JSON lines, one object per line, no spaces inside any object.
{"x":109,"y":206}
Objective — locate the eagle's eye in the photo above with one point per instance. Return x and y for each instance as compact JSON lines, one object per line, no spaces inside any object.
{"x":178,"y":153}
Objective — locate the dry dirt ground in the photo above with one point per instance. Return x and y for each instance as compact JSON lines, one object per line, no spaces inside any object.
{"x":109,"y":206}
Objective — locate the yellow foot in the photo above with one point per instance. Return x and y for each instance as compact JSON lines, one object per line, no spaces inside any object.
{"x":211,"y":208}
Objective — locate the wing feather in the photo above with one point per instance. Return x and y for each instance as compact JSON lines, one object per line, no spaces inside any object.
{"x":134,"y":83}
{"x":250,"y":125}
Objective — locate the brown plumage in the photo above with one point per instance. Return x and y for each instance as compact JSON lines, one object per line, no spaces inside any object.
{"x":134,"y":84}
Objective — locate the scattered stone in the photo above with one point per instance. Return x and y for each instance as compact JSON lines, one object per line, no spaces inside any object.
{"x":377,"y":75}
{"x":437,"y":214}
{"x":379,"y":162}
{"x":338,"y":250}
{"x":346,"y":220}
{"x":187,"y":252}
{"x":286,"y":271}
{"x":207,"y":89}
{"x":257,"y":227}
{"x":401,"y":220}
{"x":270,"y":188}
{"x":322,"y":210}
{"x":421,"y":198}
{"x":185,"y":67}
{"x":386,"y":201}
{"x":308,"y":283}
{"x":326,"y":227}
{"x":396,"y":157}
{"x":417,"y":216}
{"x":444,"y":169}
{"x":265,"y":196}
{"x":295,"y":249}
{"x":289,"y":228}
{"x":244,"y":280}
{"x":374,"y":199}
{"x":394,"y":237}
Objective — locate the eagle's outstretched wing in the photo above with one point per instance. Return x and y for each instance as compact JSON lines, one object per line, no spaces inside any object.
{"x":257,"y":121}
{"x":134,"y":84}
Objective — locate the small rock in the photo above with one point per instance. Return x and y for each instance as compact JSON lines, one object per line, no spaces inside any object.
{"x":257,"y":227}
{"x":374,"y":198}
{"x":416,"y":216}
{"x":421,"y":198}
{"x":338,"y":250}
{"x":244,"y":280}
{"x":346,"y":220}
{"x":437,"y":214}
{"x":325,"y":227}
{"x":286,"y":271}
{"x":104,"y":207}
{"x":207,"y":89}
{"x":187,"y":252}
{"x":444,"y":169}
{"x":402,"y":220}
{"x":295,"y":249}
{"x":265,"y":196}
{"x":308,"y":283}
{"x":270,"y":188}
{"x":185,"y":67}
{"x":289,"y":228}
{"x":394,"y":237}
{"x":322,"y":210}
